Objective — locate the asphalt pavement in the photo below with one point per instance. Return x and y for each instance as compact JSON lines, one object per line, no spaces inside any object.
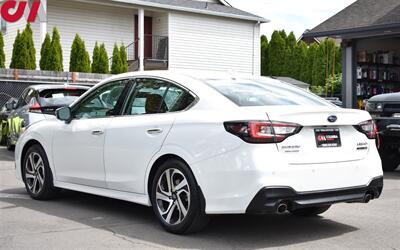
{"x":81,"y":221}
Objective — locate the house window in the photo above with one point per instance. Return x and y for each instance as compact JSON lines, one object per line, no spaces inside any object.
{"x":3,"y":26}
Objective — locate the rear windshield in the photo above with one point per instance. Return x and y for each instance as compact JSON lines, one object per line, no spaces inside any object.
{"x":59,"y":97}
{"x":264,"y":93}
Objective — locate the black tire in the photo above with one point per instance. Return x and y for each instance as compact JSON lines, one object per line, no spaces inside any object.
{"x":195,"y":218}
{"x":390,"y":160}
{"x":47,"y":189}
{"x":9,"y":146}
{"x":310,"y":211}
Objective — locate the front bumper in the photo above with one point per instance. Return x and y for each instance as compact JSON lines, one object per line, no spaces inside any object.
{"x":268,"y":199}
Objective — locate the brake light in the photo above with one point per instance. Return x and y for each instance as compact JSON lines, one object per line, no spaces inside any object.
{"x":368,"y":128}
{"x":35,"y":107}
{"x":262,"y":131}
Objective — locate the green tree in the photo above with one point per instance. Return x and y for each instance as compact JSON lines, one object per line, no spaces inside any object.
{"x":277,"y":48}
{"x":96,"y":58}
{"x":30,"y":46}
{"x":2,"y":55}
{"x":45,"y":53}
{"x":264,"y":55}
{"x":124,"y":59}
{"x":289,"y":64}
{"x":333,"y":84}
{"x":79,"y":60}
{"x":116,"y":66}
{"x":319,"y":67}
{"x":307,"y":68}
{"x":298,"y":59}
{"x":56,"y":53}
{"x":16,"y":50}
{"x":103,"y":65}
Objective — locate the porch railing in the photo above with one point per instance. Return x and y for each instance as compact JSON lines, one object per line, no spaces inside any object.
{"x":155,"y":51}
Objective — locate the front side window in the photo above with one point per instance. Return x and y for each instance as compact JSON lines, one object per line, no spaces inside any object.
{"x":104,"y":101}
{"x":152,"y":96}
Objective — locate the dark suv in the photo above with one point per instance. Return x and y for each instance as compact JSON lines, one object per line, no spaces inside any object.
{"x":385,"y":109}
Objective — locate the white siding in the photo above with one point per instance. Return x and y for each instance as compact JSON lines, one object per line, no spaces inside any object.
{"x":160,"y":24}
{"x":213,"y":43}
{"x":92,"y":22}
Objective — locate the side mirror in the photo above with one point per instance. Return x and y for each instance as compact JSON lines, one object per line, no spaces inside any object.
{"x":64,"y":114}
{"x":10,"y":106}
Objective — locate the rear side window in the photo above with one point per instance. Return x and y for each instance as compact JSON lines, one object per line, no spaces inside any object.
{"x":263,"y":93}
{"x":151,"y":96}
{"x":59,"y":97}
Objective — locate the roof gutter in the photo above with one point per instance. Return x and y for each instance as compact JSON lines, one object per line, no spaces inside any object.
{"x":373,"y":28}
{"x":193,"y":10}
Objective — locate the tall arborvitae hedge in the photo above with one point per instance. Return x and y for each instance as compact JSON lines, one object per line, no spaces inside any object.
{"x":2,"y":55}
{"x":45,"y":53}
{"x":103,"y":65}
{"x":313,"y":64}
{"x":24,"y":52}
{"x":124,"y":59}
{"x":56,"y":62}
{"x":95,"y":58}
{"x":79,"y":59}
{"x":264,"y":55}
{"x":116,"y":66}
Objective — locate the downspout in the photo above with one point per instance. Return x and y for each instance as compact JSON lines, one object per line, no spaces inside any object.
{"x":254,"y":49}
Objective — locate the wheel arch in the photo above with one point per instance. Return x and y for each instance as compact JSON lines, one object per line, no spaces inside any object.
{"x":157,"y":163}
{"x":25,"y":148}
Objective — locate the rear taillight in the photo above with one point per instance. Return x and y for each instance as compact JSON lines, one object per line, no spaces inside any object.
{"x":262,"y":131}
{"x":368,"y":128}
{"x":35,"y":107}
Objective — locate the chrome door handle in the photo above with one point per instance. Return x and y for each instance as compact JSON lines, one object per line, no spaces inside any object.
{"x":97,"y":132}
{"x":154,"y":131}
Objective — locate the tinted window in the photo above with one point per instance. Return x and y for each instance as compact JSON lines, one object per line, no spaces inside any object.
{"x":59,"y":97}
{"x":102,"y":102}
{"x":147,"y":97}
{"x":264,"y":93}
{"x":152,"y":96}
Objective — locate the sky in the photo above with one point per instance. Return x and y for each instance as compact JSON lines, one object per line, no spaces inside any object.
{"x":291,"y":15}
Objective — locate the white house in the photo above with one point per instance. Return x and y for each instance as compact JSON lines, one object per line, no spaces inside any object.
{"x":173,"y":34}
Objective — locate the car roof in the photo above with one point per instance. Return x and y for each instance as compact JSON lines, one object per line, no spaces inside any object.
{"x":41,"y":87}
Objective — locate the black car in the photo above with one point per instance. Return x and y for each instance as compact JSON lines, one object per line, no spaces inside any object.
{"x":385,"y":109}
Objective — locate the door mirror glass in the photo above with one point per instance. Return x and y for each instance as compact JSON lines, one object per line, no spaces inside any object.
{"x":64,"y":114}
{"x":10,"y":106}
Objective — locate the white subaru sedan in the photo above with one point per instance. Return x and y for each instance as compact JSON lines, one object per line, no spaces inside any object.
{"x":191,"y":144}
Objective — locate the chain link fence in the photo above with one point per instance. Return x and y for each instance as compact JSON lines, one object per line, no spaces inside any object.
{"x":9,"y":89}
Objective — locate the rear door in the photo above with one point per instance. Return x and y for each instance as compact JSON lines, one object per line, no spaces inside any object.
{"x":134,"y":138}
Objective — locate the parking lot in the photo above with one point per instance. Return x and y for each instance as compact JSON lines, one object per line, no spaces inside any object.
{"x":76,"y":220}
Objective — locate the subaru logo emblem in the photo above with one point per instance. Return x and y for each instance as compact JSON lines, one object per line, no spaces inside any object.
{"x":332,"y":118}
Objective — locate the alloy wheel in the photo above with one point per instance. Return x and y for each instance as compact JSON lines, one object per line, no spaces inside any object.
{"x":173,"y":196}
{"x":34,"y":173}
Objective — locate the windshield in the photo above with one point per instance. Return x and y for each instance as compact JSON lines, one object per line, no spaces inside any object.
{"x":59,"y":97}
{"x":264,"y":93}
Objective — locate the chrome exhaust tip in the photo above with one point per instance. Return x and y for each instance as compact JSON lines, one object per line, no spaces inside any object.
{"x":367,"y":198}
{"x":282,"y":207}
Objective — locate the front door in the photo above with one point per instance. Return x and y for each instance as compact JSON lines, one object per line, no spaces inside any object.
{"x":148,"y":39}
{"x":78,"y":146}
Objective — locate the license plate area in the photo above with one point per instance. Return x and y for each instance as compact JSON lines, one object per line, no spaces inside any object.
{"x":327,"y":137}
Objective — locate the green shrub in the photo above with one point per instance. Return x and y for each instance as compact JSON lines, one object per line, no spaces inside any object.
{"x":103,"y":65}
{"x":116,"y":66}
{"x":45,"y":53}
{"x":24,"y":52}
{"x":30,"y":46}
{"x":95,"y":59}
{"x":56,"y":54}
{"x":79,"y":60}
{"x":124,"y":59}
{"x":2,"y":55}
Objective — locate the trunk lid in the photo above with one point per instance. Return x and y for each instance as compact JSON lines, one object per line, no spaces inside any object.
{"x":303,"y":148}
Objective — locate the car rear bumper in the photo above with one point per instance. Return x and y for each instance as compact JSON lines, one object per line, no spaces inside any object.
{"x":268,"y":199}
